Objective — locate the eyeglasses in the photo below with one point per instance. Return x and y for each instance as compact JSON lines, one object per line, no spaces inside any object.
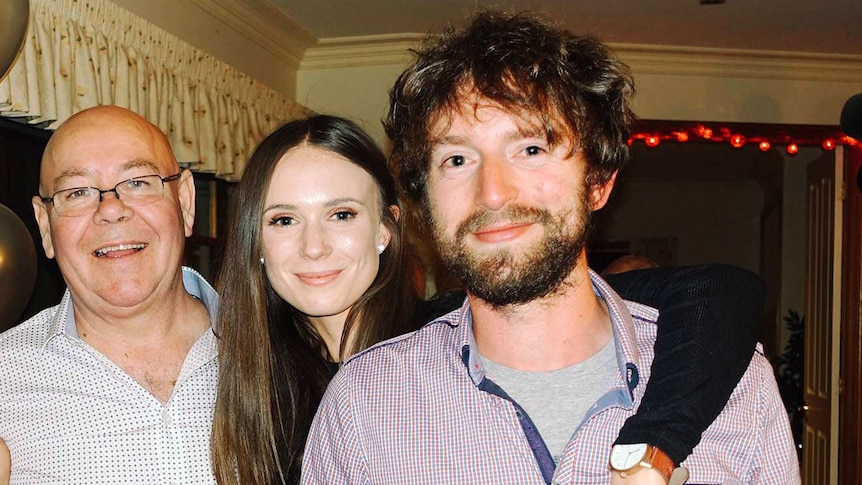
{"x":136,"y":191}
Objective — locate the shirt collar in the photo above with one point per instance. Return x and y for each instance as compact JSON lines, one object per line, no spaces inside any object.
{"x":625,"y":340}
{"x":63,"y":321}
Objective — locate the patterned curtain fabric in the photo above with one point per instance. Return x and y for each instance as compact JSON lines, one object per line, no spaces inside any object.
{"x":83,"y":53}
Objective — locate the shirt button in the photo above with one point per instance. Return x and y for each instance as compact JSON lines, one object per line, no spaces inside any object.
{"x":166,"y":419}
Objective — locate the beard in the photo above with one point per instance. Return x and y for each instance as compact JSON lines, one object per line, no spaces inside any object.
{"x":508,"y":277}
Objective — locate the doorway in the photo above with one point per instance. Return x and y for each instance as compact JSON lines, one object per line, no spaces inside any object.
{"x":737,"y":205}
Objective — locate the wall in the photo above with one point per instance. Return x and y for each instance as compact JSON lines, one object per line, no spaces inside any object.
{"x":360,"y":93}
{"x":712,"y":221}
{"x":794,"y":231}
{"x":741,"y":100}
{"x":352,"y":78}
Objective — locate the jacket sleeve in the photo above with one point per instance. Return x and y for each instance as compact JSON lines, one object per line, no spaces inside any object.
{"x":710,"y":317}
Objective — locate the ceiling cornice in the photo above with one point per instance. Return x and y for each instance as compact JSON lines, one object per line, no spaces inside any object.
{"x":740,"y":63}
{"x":279,"y":34}
{"x":265,"y":25}
{"x":372,"y":50}
{"x":643,"y":59}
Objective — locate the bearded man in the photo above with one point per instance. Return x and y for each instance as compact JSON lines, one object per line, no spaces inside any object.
{"x":509,"y":134}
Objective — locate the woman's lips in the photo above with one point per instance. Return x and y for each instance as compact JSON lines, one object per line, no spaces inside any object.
{"x":318,"y":278}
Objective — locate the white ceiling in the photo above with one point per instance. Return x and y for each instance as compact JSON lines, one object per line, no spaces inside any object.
{"x":823,"y":26}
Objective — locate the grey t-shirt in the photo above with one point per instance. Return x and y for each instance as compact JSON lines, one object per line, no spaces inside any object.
{"x":558,"y":400}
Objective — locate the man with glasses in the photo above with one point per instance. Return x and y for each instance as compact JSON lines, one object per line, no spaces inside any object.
{"x":117,"y":383}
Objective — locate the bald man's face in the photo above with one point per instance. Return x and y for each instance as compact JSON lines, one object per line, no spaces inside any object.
{"x":115,"y":256}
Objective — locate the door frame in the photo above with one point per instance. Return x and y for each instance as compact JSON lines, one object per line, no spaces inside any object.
{"x":850,"y":403}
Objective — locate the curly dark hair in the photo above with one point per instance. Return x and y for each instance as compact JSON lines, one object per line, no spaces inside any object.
{"x":571,"y":84}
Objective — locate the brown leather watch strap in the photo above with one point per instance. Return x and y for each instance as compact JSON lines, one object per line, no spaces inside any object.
{"x":659,"y":461}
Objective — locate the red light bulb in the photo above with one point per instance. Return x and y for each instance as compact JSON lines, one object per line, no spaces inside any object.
{"x":651,"y":141}
{"x":707,"y":133}
{"x":764,"y":146}
{"x":828,"y":144}
{"x":737,"y":141}
{"x":681,"y":136}
{"x":792,"y":149}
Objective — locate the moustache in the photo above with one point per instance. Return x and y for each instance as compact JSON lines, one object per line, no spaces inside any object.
{"x":514,"y":213}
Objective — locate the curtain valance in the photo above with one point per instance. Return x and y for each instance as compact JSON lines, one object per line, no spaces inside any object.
{"x":83,"y":53}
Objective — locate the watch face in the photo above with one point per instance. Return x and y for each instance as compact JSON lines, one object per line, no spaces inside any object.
{"x":624,"y":457}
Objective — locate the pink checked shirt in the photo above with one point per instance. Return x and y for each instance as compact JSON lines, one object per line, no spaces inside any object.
{"x":418,"y":409}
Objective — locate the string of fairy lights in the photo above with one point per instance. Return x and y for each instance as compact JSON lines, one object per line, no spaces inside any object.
{"x":738,"y":135}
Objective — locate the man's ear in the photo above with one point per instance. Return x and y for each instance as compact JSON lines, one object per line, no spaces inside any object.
{"x":186,"y":194}
{"x":396,"y":211}
{"x":600,"y":193}
{"x":42,"y":219}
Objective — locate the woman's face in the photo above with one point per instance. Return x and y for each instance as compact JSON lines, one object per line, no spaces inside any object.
{"x":321,"y":231}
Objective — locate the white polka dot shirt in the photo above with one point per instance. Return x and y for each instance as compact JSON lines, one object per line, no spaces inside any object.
{"x":70,"y":415}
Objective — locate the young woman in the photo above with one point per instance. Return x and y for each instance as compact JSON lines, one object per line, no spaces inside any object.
{"x":316,"y":269}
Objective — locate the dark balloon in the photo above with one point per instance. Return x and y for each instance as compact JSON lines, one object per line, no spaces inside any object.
{"x":14,"y":15}
{"x":17,"y":267}
{"x":851,"y":117}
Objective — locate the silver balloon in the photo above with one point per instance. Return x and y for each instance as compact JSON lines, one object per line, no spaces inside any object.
{"x":14,"y":16}
{"x":17,"y":267}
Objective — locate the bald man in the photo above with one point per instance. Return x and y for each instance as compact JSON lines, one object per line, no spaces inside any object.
{"x":629,"y":262}
{"x":116,"y":383}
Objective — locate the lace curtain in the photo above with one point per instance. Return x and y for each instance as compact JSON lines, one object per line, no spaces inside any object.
{"x":83,"y":53}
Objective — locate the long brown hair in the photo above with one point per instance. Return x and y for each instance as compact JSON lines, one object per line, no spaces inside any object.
{"x":273,"y":365}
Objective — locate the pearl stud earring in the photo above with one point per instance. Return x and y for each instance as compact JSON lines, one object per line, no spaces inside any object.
{"x":381,"y":248}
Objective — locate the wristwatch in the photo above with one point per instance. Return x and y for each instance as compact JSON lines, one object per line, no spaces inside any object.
{"x":629,"y":459}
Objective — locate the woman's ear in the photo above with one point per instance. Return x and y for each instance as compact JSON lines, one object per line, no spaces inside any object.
{"x":384,"y":235}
